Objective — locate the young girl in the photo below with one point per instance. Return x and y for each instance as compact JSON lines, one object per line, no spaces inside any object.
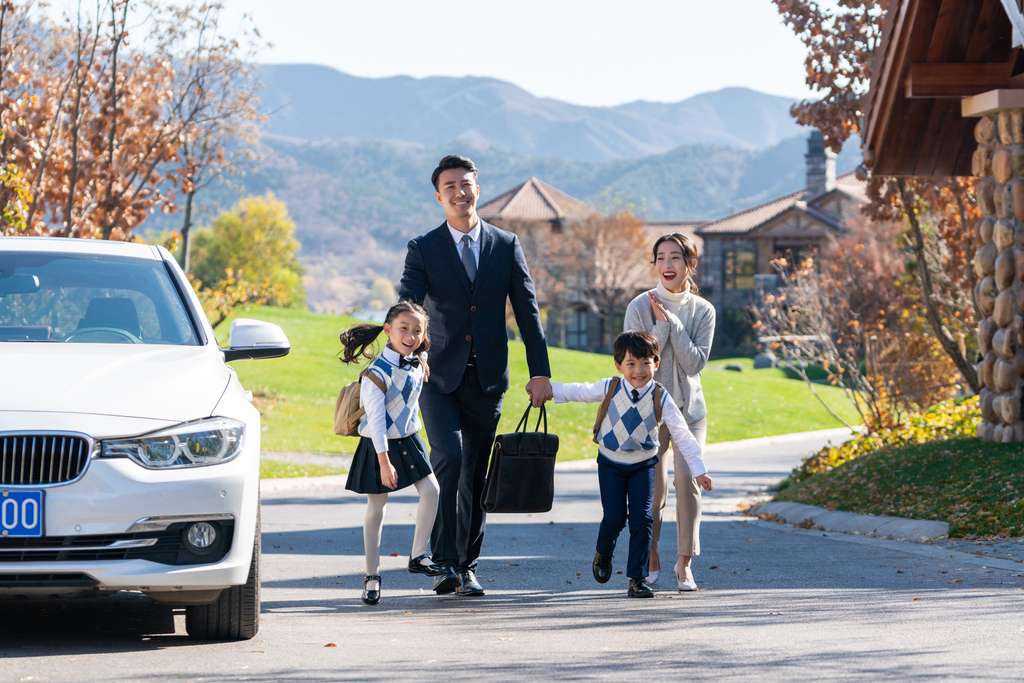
{"x":391,"y":455}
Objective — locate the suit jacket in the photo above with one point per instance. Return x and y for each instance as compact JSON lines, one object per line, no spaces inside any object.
{"x":464,"y":314}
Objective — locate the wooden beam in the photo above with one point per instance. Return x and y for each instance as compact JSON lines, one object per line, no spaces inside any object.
{"x":955,"y":80}
{"x":991,"y":102}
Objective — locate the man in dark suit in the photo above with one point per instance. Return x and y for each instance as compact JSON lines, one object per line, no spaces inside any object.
{"x":462,"y":272}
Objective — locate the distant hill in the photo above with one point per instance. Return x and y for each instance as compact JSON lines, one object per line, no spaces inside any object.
{"x":316,"y":103}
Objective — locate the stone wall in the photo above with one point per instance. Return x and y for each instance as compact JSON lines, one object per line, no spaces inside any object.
{"x":999,"y":262}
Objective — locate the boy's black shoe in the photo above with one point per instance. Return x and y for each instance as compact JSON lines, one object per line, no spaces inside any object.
{"x":602,"y":568}
{"x":446,"y":582}
{"x":639,"y":588}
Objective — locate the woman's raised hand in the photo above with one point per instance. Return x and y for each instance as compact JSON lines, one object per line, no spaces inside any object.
{"x":660,"y":312}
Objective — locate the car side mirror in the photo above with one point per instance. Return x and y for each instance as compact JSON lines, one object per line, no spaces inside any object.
{"x":250,"y":339}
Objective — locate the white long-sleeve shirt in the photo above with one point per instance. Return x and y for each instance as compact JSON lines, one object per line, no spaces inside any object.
{"x":682,"y":439}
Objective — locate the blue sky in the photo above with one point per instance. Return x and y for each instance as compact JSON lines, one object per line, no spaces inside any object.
{"x":593,"y":52}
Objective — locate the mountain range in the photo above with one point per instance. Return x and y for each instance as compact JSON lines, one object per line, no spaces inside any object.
{"x":352,"y":158}
{"x":313,"y":102}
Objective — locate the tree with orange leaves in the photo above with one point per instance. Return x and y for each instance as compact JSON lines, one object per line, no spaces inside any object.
{"x":841,"y":44}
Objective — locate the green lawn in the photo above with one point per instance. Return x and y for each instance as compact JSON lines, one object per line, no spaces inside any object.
{"x":296,"y":394}
{"x":972,"y":484}
{"x":273,"y":469}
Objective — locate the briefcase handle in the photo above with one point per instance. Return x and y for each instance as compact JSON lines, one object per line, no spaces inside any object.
{"x":524,"y":423}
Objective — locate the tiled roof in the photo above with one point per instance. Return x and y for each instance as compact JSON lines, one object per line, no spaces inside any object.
{"x":534,"y":200}
{"x":745,"y":221}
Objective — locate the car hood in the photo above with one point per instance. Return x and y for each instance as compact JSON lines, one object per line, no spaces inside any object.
{"x":174,"y":383}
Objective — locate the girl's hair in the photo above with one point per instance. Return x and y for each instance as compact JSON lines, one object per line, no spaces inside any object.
{"x":358,"y":341}
{"x":689,"y":250}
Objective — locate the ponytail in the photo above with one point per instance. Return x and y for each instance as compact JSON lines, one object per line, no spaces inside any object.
{"x":358,"y":341}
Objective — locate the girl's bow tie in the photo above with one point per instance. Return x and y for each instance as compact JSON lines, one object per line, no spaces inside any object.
{"x":413,"y":362}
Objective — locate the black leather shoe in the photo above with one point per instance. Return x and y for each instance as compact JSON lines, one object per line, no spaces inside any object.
{"x":602,"y":568}
{"x":371,"y":597}
{"x":447,"y":582}
{"x":639,"y":588}
{"x":468,"y":585}
{"x":429,"y":569}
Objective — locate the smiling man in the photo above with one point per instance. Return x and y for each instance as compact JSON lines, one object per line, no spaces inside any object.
{"x":462,"y":273}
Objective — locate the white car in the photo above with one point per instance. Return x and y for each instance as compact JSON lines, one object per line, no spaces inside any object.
{"x":129,"y":451}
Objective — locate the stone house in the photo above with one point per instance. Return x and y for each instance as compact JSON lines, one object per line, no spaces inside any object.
{"x":536,"y":202}
{"x":738,"y":249}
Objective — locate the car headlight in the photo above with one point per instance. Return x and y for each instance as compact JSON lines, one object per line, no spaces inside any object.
{"x":204,"y":442}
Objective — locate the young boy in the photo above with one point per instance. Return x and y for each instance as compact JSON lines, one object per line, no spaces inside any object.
{"x":627,"y":445}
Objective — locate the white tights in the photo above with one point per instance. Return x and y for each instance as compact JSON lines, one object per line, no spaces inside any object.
{"x":376,"y":506}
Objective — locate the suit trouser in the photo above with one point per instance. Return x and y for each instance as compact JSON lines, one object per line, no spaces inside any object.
{"x":626,"y":494}
{"x":460,"y":427}
{"x":688,"y":502}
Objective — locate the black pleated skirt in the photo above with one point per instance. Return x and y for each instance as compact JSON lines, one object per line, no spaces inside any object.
{"x":408,"y":456}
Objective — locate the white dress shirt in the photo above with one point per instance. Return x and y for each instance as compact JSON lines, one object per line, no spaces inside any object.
{"x":474,"y":244}
{"x":682,"y":439}
{"x":372,"y":399}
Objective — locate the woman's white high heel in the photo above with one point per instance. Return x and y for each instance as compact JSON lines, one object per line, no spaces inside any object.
{"x":686,"y":586}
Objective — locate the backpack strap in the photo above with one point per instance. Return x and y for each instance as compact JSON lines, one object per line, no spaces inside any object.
{"x":378,"y":382}
{"x":658,"y":389}
{"x":603,"y":410}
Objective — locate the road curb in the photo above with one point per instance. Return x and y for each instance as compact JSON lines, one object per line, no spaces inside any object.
{"x":271,"y":485}
{"x":896,"y":528}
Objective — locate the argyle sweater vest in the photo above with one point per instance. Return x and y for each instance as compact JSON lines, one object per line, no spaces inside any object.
{"x":630,"y":428}
{"x":401,"y":400}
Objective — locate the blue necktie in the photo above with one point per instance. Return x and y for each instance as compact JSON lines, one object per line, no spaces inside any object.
{"x":467,"y":258}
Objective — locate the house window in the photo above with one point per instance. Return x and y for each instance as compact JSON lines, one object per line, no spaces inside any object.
{"x":795,"y":255}
{"x":740,"y":267}
{"x":576,"y":330}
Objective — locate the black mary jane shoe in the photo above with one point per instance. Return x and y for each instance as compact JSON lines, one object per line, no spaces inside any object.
{"x":446,"y":582}
{"x":371,"y":597}
{"x":415,"y":567}
{"x":639,"y":588}
{"x":602,"y":568}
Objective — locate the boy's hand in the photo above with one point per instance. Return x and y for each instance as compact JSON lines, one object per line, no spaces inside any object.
{"x":706,"y":482}
{"x":388,"y":473}
{"x":539,"y":391}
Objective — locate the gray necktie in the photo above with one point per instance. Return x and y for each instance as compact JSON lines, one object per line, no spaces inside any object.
{"x":467,"y":258}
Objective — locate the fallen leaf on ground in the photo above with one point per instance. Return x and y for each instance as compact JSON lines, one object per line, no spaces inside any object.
{"x":511,"y":564}
{"x":394,"y":554}
{"x":957,"y":581}
{"x":715,"y":567}
{"x":330,"y":645}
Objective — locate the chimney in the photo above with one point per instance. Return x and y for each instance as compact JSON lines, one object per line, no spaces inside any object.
{"x":821,"y":166}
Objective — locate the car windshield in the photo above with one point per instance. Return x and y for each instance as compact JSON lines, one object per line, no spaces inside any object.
{"x":47,"y":297}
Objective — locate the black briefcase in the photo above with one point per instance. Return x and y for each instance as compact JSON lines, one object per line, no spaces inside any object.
{"x":521,"y":475}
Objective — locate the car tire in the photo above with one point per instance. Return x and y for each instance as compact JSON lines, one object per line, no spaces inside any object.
{"x":235,"y":615}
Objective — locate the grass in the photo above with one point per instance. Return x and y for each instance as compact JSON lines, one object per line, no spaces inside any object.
{"x":272,"y":469}
{"x":296,"y":394}
{"x":976,"y":486}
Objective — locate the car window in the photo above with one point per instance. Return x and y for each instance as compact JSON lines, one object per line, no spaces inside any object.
{"x":90,"y":299}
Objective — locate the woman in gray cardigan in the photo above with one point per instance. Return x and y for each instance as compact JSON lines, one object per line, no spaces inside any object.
{"x":684,"y":325}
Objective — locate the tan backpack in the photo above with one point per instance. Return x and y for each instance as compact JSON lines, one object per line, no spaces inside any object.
{"x":612,"y":387}
{"x":347,"y":411}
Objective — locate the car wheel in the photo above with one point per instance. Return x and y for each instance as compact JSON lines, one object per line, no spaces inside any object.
{"x":235,"y":615}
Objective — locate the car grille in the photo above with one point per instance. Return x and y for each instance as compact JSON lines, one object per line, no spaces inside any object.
{"x":47,"y":581}
{"x":37,"y":459}
{"x":164,"y":547}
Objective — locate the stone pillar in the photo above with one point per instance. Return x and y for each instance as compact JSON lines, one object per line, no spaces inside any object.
{"x":999,"y":262}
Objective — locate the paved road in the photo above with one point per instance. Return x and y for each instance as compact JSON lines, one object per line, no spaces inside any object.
{"x":776,"y":603}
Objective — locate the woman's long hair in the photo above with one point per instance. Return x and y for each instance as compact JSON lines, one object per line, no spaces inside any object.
{"x":359,"y":341}
{"x":689,"y":250}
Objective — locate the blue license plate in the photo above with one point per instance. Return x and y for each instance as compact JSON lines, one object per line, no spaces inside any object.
{"x":21,"y":513}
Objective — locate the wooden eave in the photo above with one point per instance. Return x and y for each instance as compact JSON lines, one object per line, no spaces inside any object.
{"x":933,"y":53}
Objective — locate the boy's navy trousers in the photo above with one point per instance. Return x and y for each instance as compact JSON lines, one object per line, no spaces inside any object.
{"x":627,"y":493}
